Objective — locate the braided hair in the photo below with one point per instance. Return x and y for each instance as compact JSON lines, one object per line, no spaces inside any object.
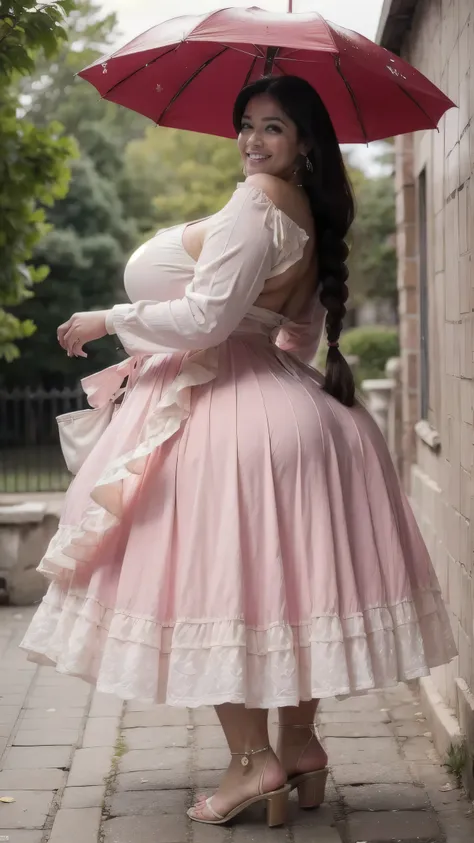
{"x":326,"y":183}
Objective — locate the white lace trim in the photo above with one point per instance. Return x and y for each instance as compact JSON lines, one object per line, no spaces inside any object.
{"x":75,"y":544}
{"x":204,"y":662}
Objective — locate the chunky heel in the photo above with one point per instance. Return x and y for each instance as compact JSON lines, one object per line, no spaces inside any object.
{"x":277,"y":807}
{"x":311,"y":789}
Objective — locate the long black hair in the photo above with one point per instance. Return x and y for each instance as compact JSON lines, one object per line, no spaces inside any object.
{"x":329,"y":191}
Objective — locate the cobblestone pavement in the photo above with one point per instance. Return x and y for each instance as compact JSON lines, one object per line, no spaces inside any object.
{"x":82,"y":768}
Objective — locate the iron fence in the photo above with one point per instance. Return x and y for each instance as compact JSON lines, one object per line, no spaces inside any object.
{"x":30,"y":455}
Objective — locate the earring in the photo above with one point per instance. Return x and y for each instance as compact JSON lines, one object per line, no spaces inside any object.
{"x":309,"y":165}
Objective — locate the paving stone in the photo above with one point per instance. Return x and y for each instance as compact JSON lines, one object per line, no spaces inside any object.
{"x":400,"y":694}
{"x":406,"y":711}
{"x":385,"y":797}
{"x":101,"y":731}
{"x":56,"y":698}
{"x":256,"y":832}
{"x":139,"y":705}
{"x":212,"y":759}
{"x":46,"y":737}
{"x":147,"y":803}
{"x":324,"y":834}
{"x":355,"y":774}
{"x":352,"y":717}
{"x":48,"y":677}
{"x":158,"y":759}
{"x":174,"y":779}
{"x":90,"y":766}
{"x":410,"y":728}
{"x":83,"y":797}
{"x":322,"y":817}
{"x":353,"y":750}
{"x":105,"y":705}
{"x":369,"y":702}
{"x":419,"y":749}
{"x":12,"y":699}
{"x":381,"y":826}
{"x":155,"y":737}
{"x":32,"y":719}
{"x":165,"y":829}
{"x":202,"y":833}
{"x":29,"y":810}
{"x":36,"y":779}
{"x":160,"y":715}
{"x":76,"y":825}
{"x":432,"y":775}
{"x":32,"y":757}
{"x":205,"y":716}
{"x":458,"y":824}
{"x":9,"y":713}
{"x":209,"y":737}
{"x":32,"y":722}
{"x":355,"y":730}
{"x":19,"y":836}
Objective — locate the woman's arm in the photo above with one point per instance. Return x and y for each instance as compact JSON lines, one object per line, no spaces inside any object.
{"x":236,"y":258}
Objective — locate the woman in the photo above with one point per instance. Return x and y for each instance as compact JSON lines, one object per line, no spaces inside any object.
{"x":238,"y":536}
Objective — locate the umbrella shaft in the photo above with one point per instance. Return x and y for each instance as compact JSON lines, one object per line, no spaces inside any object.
{"x":290,"y":6}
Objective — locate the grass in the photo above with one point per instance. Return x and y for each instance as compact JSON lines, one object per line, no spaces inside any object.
{"x":456,"y":760}
{"x":39,"y":469}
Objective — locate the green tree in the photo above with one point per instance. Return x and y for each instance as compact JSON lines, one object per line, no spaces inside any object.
{"x":180,"y":175}
{"x":91,"y":229}
{"x":54,"y":88}
{"x":373,"y":259}
{"x":33,"y":161}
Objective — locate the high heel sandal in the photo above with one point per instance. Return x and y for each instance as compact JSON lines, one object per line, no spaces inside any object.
{"x":311,"y":786}
{"x":276,"y":800}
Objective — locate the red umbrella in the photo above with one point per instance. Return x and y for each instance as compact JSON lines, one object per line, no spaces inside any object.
{"x":186,"y":73}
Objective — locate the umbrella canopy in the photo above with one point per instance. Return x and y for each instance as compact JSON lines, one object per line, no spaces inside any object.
{"x":186,"y":73}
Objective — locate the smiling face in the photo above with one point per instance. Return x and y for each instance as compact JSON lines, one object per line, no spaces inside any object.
{"x":268,"y":140}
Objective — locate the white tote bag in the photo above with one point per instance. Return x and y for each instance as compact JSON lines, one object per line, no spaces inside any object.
{"x":80,"y":430}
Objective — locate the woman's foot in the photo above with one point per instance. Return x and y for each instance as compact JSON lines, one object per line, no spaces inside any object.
{"x":247,"y":776}
{"x":299,"y":750}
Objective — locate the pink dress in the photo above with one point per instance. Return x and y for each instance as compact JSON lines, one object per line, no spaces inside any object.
{"x":236,"y":535}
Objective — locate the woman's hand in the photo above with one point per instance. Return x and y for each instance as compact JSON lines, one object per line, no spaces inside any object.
{"x":80,"y":329}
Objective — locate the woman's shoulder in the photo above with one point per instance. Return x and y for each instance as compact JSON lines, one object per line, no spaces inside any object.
{"x":287,"y":197}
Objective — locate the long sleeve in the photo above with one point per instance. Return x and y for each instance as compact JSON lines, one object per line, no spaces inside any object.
{"x":303,"y":337}
{"x":238,"y":256}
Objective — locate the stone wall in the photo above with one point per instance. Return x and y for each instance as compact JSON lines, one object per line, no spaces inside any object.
{"x":437,"y":452}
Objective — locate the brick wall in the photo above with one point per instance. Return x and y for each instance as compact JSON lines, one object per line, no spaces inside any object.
{"x":440,"y":43}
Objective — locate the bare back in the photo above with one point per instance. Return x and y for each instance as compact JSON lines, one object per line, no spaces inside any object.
{"x":289,"y":292}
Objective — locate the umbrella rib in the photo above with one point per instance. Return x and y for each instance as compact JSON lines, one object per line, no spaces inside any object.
{"x":353,"y":97}
{"x":249,"y":73}
{"x":138,"y":70}
{"x":413,"y":100}
{"x":188,"y":82}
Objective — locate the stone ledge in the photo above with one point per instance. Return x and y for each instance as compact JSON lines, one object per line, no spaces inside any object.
{"x":465,"y":707}
{"x":23,"y":513}
{"x":443,"y":723}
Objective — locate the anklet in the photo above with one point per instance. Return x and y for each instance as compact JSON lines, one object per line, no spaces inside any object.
{"x":245,"y":760}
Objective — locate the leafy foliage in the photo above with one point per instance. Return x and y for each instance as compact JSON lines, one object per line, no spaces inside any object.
{"x":33,"y":161}
{"x":374,"y":345}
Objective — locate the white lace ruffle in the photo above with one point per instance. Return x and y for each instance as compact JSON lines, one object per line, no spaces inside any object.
{"x":76,"y":544}
{"x":193,"y":663}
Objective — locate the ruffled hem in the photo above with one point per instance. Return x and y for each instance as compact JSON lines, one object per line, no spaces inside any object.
{"x":192,"y":662}
{"x":78,"y":544}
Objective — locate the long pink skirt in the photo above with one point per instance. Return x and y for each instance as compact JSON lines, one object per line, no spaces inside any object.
{"x":237,"y":535}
